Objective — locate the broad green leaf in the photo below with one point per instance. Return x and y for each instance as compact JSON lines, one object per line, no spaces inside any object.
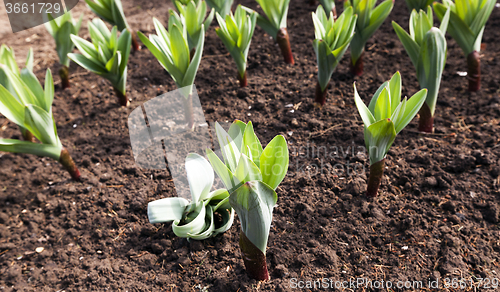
{"x":166,"y":210}
{"x":379,"y":138}
{"x":10,"y":107}
{"x":227,"y":177}
{"x":274,"y":162}
{"x":41,"y":124}
{"x":196,"y":226}
{"x":254,"y":203}
{"x":43,"y":150}
{"x":412,"y":107}
{"x":200,"y":176}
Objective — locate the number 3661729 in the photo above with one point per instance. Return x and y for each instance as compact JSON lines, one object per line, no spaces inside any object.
{"x":33,"y":8}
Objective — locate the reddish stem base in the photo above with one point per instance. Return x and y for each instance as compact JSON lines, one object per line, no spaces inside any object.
{"x":320,"y":95}
{"x":68,"y":164}
{"x":376,"y":173}
{"x":27,"y":135}
{"x":243,"y":79}
{"x":254,"y":259}
{"x":426,"y":122}
{"x":284,"y":43}
{"x":474,"y":71}
{"x":122,"y":98}
{"x":135,"y":43}
{"x":64,"y":74}
{"x":357,"y":68}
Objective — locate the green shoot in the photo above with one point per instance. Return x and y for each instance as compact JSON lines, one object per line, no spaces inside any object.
{"x":370,"y":18}
{"x":7,"y":58}
{"x":195,"y":219}
{"x":251,"y":174}
{"x":171,"y":49}
{"x":275,"y":24}
{"x":31,"y":109}
{"x":192,"y":16}
{"x":60,"y":29}
{"x":106,"y":56}
{"x":426,"y":46}
{"x":223,"y":7}
{"x":329,"y":5}
{"x":332,"y":39}
{"x":383,"y":119}
{"x":236,"y":33}
{"x":467,"y":21}
{"x":111,"y":11}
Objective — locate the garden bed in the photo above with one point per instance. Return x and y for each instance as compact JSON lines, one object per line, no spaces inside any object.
{"x":437,"y":215}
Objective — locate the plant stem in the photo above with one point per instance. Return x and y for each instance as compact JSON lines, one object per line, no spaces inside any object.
{"x":189,"y":113}
{"x":376,"y":173}
{"x":357,"y":68}
{"x":243,"y":79}
{"x":426,"y":122}
{"x":135,"y":43}
{"x":68,"y":164}
{"x":284,"y":43}
{"x":64,"y":74}
{"x":320,"y":95}
{"x":254,"y":259}
{"x":122,"y":98}
{"x":474,"y":71}
{"x":27,"y":135}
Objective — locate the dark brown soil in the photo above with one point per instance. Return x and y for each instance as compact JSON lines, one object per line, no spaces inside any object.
{"x":436,"y":217}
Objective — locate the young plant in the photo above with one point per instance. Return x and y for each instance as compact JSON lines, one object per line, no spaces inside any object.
{"x":467,"y":21}
{"x":195,"y":219}
{"x":111,"y":11}
{"x":60,"y":29}
{"x":370,"y":18}
{"x":192,"y":16}
{"x":332,"y":39}
{"x":275,"y":24}
{"x":106,"y":56}
{"x":172,"y":51}
{"x":426,"y":46}
{"x":329,"y":5}
{"x":223,"y":7}
{"x":418,"y":4}
{"x":236,"y":33}
{"x":7,"y":58}
{"x":251,"y":174}
{"x":383,"y":119}
{"x":31,"y":109}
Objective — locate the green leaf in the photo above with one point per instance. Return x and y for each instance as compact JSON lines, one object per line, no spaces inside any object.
{"x":200,"y":176}
{"x":49,"y":91}
{"x":254,"y":203}
{"x":41,"y":124}
{"x":252,"y":143}
{"x":43,"y":150}
{"x":10,"y":107}
{"x":364,"y":112}
{"x":379,"y":138}
{"x":412,"y":107}
{"x":274,"y":162}
{"x":247,"y":170}
{"x":411,"y":47}
{"x":227,"y":177}
{"x":166,"y":210}
{"x":194,"y":227}
{"x":229,"y":149}
{"x":87,"y":63}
